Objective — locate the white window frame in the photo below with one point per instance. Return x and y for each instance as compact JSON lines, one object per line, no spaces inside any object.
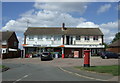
{"x":48,"y":37}
{"x":31,"y":37}
{"x":95,"y":38}
{"x":78,"y":37}
{"x":40,"y":37}
{"x":87,"y":38}
{"x":57,"y":38}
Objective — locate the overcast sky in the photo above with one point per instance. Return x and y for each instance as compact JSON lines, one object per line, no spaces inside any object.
{"x":51,"y":14}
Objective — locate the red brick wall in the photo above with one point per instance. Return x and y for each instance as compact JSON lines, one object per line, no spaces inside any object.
{"x":11,"y":41}
{"x":116,"y":50}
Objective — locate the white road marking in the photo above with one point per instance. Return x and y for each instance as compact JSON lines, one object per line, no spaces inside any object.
{"x":82,"y":75}
{"x":21,"y":78}
{"x":25,"y":76}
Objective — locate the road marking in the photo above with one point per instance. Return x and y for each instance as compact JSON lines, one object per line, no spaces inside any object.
{"x":81,"y":75}
{"x":25,"y":76}
{"x":21,"y":78}
{"x":18,"y":79}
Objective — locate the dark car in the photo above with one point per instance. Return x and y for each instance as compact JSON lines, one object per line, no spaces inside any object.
{"x":107,"y":54}
{"x":46,"y":56}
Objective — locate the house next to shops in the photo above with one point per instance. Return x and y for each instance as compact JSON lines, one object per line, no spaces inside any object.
{"x":67,"y":41}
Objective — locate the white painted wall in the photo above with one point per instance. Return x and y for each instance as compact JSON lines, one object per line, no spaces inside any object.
{"x":4,"y":43}
{"x":90,"y":41}
{"x":52,"y":41}
{"x":44,"y":41}
{"x":4,"y":50}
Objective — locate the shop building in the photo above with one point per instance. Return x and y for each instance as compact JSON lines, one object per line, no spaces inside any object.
{"x":67,"y":41}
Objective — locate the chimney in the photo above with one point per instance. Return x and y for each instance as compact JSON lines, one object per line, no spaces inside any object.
{"x":63,"y":27}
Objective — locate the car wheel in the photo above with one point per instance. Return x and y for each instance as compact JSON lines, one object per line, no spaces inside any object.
{"x":118,"y":57}
{"x":41,"y":59}
{"x":106,"y":57}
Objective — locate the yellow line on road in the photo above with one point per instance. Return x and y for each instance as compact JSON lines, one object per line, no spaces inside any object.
{"x":81,"y":75}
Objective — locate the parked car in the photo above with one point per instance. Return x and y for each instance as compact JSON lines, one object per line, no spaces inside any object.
{"x":35,"y":55}
{"x":46,"y":56}
{"x":107,"y":54}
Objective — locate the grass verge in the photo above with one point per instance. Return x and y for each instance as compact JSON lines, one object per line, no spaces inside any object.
{"x":113,"y":69}
{"x":4,"y":68}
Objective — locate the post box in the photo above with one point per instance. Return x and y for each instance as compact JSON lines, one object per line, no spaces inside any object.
{"x":86,"y":58}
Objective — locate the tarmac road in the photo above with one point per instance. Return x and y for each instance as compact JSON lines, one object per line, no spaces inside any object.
{"x":36,"y":70}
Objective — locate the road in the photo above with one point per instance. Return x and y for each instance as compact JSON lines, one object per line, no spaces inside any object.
{"x":36,"y":70}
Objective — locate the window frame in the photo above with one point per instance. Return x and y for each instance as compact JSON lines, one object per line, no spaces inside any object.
{"x":40,"y":37}
{"x":95,"y":38}
{"x":78,"y":37}
{"x":87,"y":38}
{"x":31,"y":37}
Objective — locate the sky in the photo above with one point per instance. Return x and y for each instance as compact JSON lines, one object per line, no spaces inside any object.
{"x":104,"y":15}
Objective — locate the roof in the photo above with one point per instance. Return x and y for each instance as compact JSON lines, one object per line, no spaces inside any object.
{"x":6,"y":35}
{"x":115,"y":44}
{"x":59,"y":31}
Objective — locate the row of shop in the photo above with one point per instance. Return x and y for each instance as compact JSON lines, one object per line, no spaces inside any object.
{"x":63,"y":50}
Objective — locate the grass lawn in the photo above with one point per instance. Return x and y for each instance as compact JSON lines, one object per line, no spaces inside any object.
{"x":114,"y":69}
{"x":2,"y":66}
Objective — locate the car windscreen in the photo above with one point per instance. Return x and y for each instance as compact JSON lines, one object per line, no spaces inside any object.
{"x":45,"y":53}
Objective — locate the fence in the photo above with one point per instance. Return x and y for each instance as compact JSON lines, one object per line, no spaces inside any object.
{"x":12,"y":54}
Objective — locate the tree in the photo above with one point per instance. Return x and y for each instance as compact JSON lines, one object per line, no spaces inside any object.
{"x":117,"y":37}
{"x":106,"y":45}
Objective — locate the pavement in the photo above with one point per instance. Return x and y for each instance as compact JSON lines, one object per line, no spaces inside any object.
{"x":59,"y":70}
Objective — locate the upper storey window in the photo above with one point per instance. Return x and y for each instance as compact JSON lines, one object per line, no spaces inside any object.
{"x":57,"y":37}
{"x":31,"y":37}
{"x":95,"y":37}
{"x":48,"y":37}
{"x":78,"y":37}
{"x":87,"y":38}
{"x":40,"y":37}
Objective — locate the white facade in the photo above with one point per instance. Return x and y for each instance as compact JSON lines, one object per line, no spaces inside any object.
{"x":44,"y":40}
{"x":82,"y":41}
{"x":4,"y":50}
{"x":58,"y":40}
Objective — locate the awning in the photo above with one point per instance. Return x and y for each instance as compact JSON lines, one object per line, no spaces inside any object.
{"x":67,"y":46}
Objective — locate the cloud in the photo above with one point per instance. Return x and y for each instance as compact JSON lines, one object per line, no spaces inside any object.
{"x":48,"y":16}
{"x":109,"y":30}
{"x":88,"y":25}
{"x":104,"y":8}
{"x":63,"y":6}
{"x":42,"y":18}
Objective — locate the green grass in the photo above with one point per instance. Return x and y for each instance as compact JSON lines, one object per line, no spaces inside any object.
{"x":2,"y":66}
{"x":114,"y":69}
